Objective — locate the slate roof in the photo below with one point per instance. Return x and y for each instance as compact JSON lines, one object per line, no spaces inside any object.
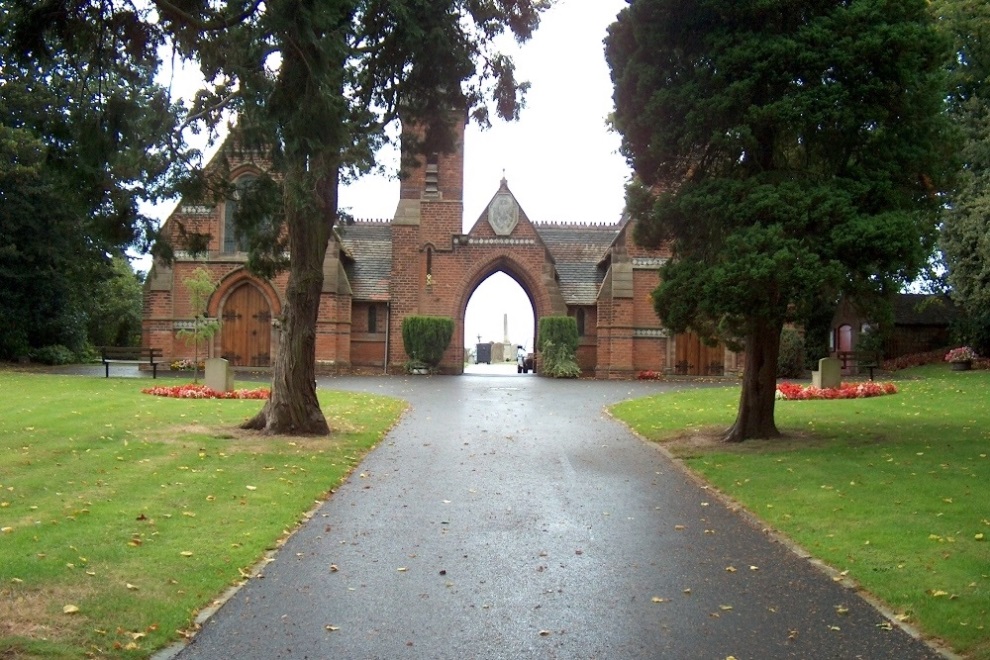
{"x":577,"y":249}
{"x":369,"y":244}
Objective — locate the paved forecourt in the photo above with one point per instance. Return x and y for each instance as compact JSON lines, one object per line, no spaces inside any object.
{"x":507,"y":517}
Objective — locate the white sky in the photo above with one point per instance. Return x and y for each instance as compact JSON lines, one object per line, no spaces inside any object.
{"x":560,"y":160}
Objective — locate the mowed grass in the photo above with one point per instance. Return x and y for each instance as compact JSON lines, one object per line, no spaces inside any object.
{"x":141,"y":510}
{"x":895,"y":489}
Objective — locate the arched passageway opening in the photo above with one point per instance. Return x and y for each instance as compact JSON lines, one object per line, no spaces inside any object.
{"x":500,"y":316}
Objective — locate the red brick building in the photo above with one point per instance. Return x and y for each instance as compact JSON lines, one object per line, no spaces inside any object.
{"x":423,"y":263}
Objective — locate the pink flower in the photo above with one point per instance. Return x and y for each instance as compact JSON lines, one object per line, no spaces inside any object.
{"x":204,"y":392}
{"x":795,"y":392}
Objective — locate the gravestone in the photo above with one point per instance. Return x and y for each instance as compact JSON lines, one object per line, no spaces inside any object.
{"x":219,"y":375}
{"x":829,"y":374}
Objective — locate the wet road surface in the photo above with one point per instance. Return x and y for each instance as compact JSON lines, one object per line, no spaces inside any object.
{"x":507,"y":517}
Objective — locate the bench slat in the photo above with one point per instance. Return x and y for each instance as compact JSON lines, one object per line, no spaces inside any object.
{"x":131,"y":355}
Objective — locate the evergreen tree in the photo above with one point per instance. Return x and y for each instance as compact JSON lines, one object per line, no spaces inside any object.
{"x":788,"y":150}
{"x":81,"y":143}
{"x":965,"y":238}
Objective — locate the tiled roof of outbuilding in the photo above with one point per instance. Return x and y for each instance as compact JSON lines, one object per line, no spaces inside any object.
{"x":577,"y":250}
{"x":370,"y":246}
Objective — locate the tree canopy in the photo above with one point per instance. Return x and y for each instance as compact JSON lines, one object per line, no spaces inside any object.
{"x":81,"y":143}
{"x":965,"y":237}
{"x":788,"y":151}
{"x":312,"y":84}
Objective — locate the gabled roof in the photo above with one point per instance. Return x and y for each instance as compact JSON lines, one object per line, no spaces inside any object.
{"x":577,"y":249}
{"x":369,"y":246}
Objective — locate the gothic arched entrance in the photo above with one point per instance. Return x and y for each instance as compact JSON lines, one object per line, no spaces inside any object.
{"x":246,"y":332}
{"x":500,"y":314}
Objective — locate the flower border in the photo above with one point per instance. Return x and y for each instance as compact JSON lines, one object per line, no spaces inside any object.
{"x":204,"y":392}
{"x":794,"y":392}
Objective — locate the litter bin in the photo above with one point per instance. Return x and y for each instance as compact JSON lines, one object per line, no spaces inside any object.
{"x":483,"y":354}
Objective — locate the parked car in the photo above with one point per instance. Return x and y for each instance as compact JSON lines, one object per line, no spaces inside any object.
{"x":525,"y":363}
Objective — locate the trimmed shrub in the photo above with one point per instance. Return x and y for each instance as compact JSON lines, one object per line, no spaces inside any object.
{"x":558,"y":361}
{"x":790,"y":360}
{"x":55,"y":354}
{"x":425,"y":338}
{"x":562,"y":331}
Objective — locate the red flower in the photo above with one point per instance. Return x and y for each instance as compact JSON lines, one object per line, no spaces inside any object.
{"x":795,"y":392}
{"x":204,"y":392}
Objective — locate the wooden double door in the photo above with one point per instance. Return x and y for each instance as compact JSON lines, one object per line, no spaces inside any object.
{"x":695,"y":358}
{"x":246,"y":333}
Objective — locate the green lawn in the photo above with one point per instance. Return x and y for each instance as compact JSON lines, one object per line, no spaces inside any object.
{"x":140,"y":510}
{"x":895,"y":490}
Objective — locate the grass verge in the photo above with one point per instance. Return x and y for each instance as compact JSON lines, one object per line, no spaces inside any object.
{"x":892,"y":489}
{"x":123,"y":514}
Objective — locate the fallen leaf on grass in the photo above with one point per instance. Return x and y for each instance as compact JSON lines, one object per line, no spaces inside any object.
{"x":186,"y":553}
{"x":70,"y":609}
{"x":251,"y":487}
{"x":132,"y":587}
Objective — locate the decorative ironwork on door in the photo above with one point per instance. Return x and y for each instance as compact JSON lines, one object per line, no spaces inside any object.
{"x":247,"y":330}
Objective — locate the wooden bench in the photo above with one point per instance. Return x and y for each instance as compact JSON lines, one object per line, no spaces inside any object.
{"x":131,"y":355}
{"x":868,"y":360}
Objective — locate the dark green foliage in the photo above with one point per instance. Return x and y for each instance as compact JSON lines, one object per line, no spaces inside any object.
{"x":965,"y":239}
{"x":82,"y":139}
{"x":790,"y":361}
{"x":114,"y":307}
{"x":973,"y":329}
{"x":425,"y":338}
{"x":562,"y":331}
{"x":817,"y":329}
{"x":56,"y":354}
{"x":557,"y":339}
{"x":557,"y":361}
{"x":786,"y":152}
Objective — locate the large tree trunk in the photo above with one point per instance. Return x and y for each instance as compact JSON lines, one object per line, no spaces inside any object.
{"x":293,"y":408}
{"x":755,"y":416}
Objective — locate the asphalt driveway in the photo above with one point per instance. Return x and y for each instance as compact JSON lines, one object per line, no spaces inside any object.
{"x":507,"y":517}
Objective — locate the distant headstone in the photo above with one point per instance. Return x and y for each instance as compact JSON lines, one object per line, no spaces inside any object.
{"x":829,"y":374}
{"x":219,"y":375}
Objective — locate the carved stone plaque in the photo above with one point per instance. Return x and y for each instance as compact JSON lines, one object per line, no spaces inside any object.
{"x":503,"y":214}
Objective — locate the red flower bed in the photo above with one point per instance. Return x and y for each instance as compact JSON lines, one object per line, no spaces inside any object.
{"x":204,"y":392}
{"x":795,"y":392}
